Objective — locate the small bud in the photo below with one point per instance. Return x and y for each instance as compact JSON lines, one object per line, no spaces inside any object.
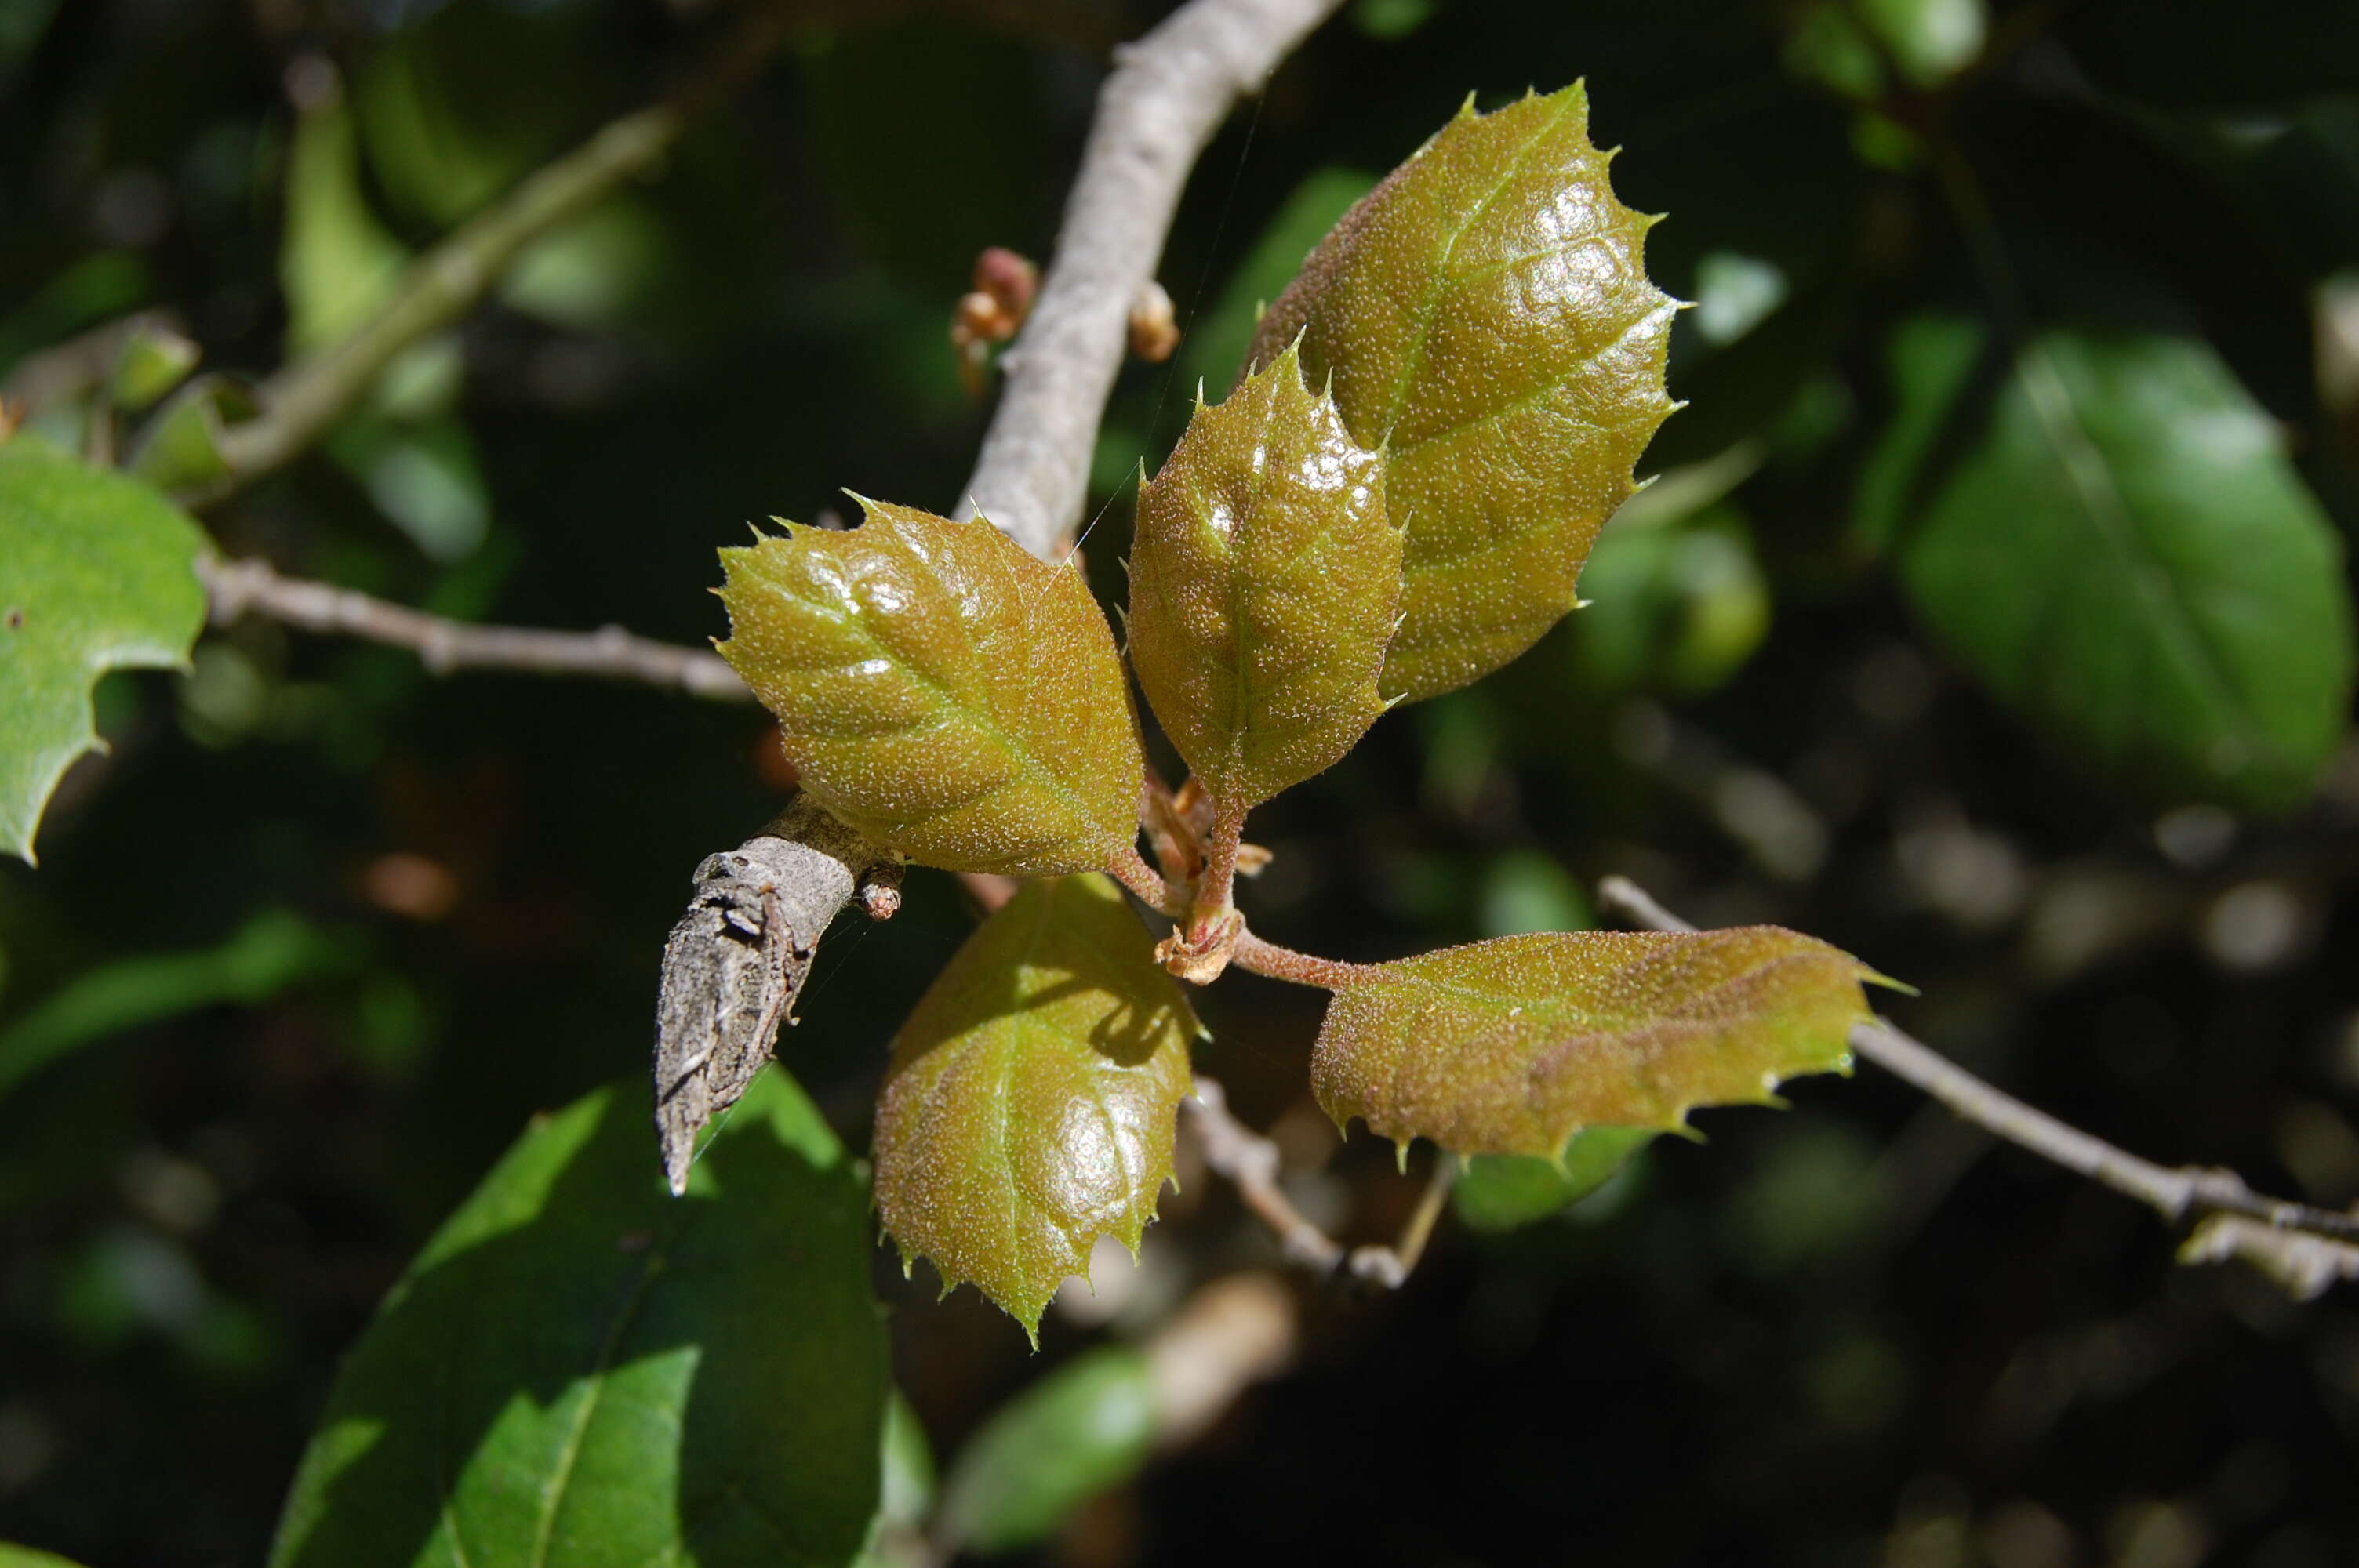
{"x":1011,"y":281}
{"x":880,"y":891}
{"x":1153,"y":332}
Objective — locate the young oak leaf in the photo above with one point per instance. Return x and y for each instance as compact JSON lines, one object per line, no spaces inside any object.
{"x":1264,"y":583}
{"x":1511,"y":1047}
{"x":1033,"y":1093}
{"x":941,"y":691}
{"x":1486,"y":314}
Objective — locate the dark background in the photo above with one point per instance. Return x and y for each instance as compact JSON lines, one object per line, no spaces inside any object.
{"x":353,"y":925}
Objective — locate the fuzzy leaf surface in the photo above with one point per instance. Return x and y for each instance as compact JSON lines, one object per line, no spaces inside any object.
{"x":941,"y":691}
{"x":2116,"y":543}
{"x":1030,"y":1103}
{"x":1513,"y":1045}
{"x":1486,"y":313}
{"x":97,"y":573}
{"x":583,"y":1371}
{"x":1264,"y":580}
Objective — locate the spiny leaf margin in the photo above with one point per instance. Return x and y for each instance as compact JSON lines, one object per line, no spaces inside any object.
{"x":1264,"y":584}
{"x":1485,"y":315}
{"x":941,"y":691}
{"x":1511,"y":1047}
{"x":1031,"y":1101}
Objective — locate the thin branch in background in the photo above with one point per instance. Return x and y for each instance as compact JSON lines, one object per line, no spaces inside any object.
{"x":252,"y":586}
{"x":2305,"y":1249}
{"x":1155,"y":113}
{"x":302,"y":400}
{"x":1250,"y":1163}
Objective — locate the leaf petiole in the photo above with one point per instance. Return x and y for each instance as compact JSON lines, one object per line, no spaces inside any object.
{"x":1262,"y":957}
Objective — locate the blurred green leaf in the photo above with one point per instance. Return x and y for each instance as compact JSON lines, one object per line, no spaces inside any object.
{"x":1929,"y":40}
{"x":22,"y":23}
{"x":272,"y":952}
{"x":178,"y":449}
{"x":1265,"y":582}
{"x":458,"y":107}
{"x":1672,"y":607}
{"x":1082,"y":1429}
{"x":2119,"y":546}
{"x":337,"y":264}
{"x":1031,"y":1105}
{"x":153,"y":359}
{"x":581,"y":1371}
{"x":12,"y":1556}
{"x":1388,"y":21}
{"x":424,"y":476}
{"x":1526,"y":891}
{"x":897,"y":1537}
{"x":585,"y":274}
{"x":1485,"y":317}
{"x":1505,"y":1192}
{"x":96,"y":573}
{"x":94,"y":289}
{"x":1511,"y":1047}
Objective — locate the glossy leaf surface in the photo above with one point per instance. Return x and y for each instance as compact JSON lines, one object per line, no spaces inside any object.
{"x":581,"y":1369}
{"x":1086,"y":1427}
{"x":2117,"y":545}
{"x":1513,"y":1045}
{"x":941,"y":691}
{"x":1033,"y":1092}
{"x":96,"y":574}
{"x":1264,"y":580}
{"x":1486,"y":313}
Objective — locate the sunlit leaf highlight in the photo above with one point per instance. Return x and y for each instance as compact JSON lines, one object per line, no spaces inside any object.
{"x":1513,"y":1045}
{"x":1031,"y":1105}
{"x":1486,"y":314}
{"x":941,"y":691}
{"x":1265,"y":582}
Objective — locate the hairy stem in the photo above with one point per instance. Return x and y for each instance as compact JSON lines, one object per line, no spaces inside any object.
{"x":1216,"y":886}
{"x":2174,"y":1192}
{"x":1131,"y":869}
{"x":1300,"y":968}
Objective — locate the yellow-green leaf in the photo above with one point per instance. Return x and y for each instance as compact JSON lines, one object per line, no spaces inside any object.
{"x":1030,"y":1103}
{"x":941,"y":691}
{"x":1511,"y":1047}
{"x":1487,"y":312}
{"x":1264,"y":585}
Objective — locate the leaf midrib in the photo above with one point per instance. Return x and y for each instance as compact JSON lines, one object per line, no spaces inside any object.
{"x":947,"y":700}
{"x":1413,"y":360}
{"x":2089,"y":472}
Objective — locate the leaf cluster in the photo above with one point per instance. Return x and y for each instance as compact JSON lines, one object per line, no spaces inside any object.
{"x":1436,"y":417}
